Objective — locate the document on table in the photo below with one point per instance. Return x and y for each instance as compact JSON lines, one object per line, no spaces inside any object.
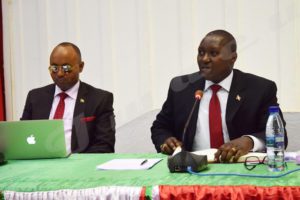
{"x":210,"y":153}
{"x":129,"y":164}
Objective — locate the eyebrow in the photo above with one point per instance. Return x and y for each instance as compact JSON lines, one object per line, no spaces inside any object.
{"x":208,"y":49}
{"x":60,"y":65}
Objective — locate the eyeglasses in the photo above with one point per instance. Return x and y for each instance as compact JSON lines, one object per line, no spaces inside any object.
{"x":56,"y":68}
{"x":252,"y":161}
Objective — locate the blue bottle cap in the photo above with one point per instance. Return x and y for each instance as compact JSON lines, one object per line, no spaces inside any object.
{"x":273,"y":109}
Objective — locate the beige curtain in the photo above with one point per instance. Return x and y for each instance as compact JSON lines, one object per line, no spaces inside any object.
{"x":134,"y":47}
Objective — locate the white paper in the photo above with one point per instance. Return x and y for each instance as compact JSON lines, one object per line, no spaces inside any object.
{"x":177,"y":150}
{"x":129,"y":164}
{"x":290,"y":156}
{"x":210,"y":153}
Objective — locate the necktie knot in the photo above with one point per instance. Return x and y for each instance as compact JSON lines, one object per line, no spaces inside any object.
{"x":62,"y":95}
{"x":215,"y":88}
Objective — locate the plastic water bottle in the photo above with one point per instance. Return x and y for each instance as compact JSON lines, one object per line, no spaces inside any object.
{"x":275,"y":140}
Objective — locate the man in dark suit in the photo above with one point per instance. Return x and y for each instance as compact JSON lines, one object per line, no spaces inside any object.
{"x":87,"y":111}
{"x":243,"y":99}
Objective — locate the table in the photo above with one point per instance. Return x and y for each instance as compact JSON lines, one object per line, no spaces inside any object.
{"x":77,"y":176}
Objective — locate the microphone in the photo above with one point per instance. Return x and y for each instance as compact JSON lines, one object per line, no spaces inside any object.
{"x":181,"y":159}
{"x":198,"y":96}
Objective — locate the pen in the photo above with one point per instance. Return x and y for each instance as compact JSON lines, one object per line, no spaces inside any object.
{"x":144,"y":161}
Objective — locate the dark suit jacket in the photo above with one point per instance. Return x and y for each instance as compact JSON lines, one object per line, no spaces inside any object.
{"x":247,"y":116}
{"x":93,"y":123}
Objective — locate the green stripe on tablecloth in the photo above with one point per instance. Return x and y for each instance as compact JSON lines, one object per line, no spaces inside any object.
{"x":79,"y":172}
{"x":149,"y":192}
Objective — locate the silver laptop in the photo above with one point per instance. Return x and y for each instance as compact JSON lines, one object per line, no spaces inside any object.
{"x":33,"y":139}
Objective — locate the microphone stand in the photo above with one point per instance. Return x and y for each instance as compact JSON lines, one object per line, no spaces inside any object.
{"x":189,"y":119}
{"x":181,"y":159}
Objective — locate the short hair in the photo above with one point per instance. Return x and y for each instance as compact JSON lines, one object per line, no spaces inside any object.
{"x":228,"y":38}
{"x":77,"y":50}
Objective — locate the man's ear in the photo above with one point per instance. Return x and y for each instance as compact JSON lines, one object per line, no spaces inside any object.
{"x":81,"y":65}
{"x":234,"y":57}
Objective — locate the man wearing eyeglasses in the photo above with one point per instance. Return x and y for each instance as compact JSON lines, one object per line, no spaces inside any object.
{"x":87,"y":111}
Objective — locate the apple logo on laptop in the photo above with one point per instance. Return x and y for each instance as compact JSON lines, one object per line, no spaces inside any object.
{"x":31,"y":140}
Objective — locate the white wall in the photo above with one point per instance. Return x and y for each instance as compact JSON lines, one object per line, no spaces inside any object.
{"x":134,"y":47}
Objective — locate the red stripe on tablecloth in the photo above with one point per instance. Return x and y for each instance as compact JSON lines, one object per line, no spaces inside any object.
{"x":229,"y":192}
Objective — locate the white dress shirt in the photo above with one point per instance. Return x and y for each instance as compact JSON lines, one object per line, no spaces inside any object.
{"x":202,"y":136}
{"x":70,"y":101}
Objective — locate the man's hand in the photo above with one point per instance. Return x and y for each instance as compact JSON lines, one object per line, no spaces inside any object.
{"x":231,"y":151}
{"x":170,"y":145}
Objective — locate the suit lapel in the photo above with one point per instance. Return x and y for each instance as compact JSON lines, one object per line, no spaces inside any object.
{"x":235,"y":97}
{"x":80,"y":101}
{"x":79,"y":138}
{"x":47,"y":102}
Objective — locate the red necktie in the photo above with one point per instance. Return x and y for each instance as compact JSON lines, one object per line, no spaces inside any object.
{"x":215,"y":119}
{"x":59,"y":113}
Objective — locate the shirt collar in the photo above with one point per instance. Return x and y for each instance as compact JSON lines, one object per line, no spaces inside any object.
{"x":72,"y":92}
{"x":225,"y":84}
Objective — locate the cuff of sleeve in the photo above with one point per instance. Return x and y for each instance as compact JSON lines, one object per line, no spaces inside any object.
{"x":258,"y":144}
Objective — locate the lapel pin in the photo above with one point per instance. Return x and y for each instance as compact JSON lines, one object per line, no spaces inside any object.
{"x":81,"y":100}
{"x":238,"y":98}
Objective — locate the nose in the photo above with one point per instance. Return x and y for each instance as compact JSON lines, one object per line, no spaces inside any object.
{"x":60,"y":72}
{"x":205,"y":58}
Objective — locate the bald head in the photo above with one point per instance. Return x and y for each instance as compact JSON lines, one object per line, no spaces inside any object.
{"x":227,"y":41}
{"x":73,"y":46}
